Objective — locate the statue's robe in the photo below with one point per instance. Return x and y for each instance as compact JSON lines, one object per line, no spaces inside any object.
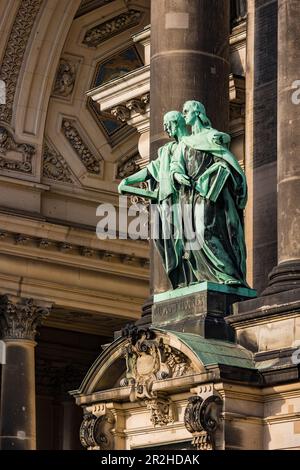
{"x":168,"y":241}
{"x":216,"y":199}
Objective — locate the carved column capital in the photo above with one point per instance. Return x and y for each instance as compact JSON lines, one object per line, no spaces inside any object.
{"x":20,"y":318}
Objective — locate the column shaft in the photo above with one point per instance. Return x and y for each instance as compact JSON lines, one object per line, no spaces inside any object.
{"x":18,"y":420}
{"x":189,"y":61}
{"x":286,"y":275}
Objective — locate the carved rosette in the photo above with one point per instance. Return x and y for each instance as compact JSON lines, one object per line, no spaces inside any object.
{"x":202,"y":418}
{"x":96,"y":432}
{"x":148,"y":359}
{"x":20,"y":319}
{"x":110,"y":28}
{"x":15,"y":156}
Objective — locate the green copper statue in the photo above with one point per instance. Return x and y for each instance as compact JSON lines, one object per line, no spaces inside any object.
{"x":204,"y":184}
{"x":169,"y":243}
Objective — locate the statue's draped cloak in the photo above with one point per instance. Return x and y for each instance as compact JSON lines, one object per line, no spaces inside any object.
{"x":169,"y":241}
{"x":216,"y":198}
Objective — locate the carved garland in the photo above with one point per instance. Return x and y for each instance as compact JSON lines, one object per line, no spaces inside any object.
{"x":13,"y":56}
{"x":90,"y":161}
{"x":54,"y":166}
{"x":110,"y":28}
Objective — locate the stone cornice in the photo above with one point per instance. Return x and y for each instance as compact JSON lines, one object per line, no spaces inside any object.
{"x":42,"y":230}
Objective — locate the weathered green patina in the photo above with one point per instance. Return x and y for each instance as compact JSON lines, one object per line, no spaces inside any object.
{"x":214,"y":352}
{"x":169,"y":243}
{"x":201,"y":180}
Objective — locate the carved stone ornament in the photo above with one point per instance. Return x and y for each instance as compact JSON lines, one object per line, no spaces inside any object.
{"x":148,"y":359}
{"x":128,"y":166}
{"x":20,"y":320}
{"x":65,"y":78}
{"x":201,"y":419}
{"x":96,"y":432}
{"x":54,"y":166}
{"x":120,"y":112}
{"x":90,"y":161}
{"x":162,"y":411}
{"x":14,"y":52}
{"x":100,"y":33}
{"x":14,"y":156}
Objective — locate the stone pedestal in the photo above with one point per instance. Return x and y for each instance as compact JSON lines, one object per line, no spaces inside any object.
{"x":19,"y":320}
{"x":199,"y":309}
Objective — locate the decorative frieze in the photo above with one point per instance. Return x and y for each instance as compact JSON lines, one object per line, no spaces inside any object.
{"x":149,"y":359}
{"x":71,"y":249}
{"x":90,"y":161}
{"x":65,"y":78}
{"x":19,"y":319}
{"x":54,"y":166}
{"x":14,"y":156}
{"x":202,"y":418}
{"x":100,"y":33}
{"x":14,"y":53}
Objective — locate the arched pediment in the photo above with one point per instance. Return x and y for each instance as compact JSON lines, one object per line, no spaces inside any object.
{"x":144,"y":356}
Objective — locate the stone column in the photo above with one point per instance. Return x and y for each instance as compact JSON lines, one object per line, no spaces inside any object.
{"x":189,"y":61}
{"x":19,"y":320}
{"x":286,"y":275}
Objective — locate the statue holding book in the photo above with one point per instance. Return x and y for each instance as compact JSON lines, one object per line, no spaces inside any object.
{"x":208,"y":187}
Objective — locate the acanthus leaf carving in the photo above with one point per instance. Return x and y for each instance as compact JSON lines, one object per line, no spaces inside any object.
{"x":96,"y":35}
{"x":20,"y":319}
{"x":9,"y":147}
